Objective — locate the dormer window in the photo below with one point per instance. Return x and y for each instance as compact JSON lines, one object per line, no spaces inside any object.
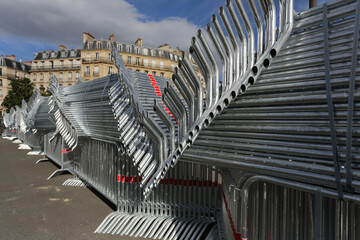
{"x":89,"y":45}
{"x":145,"y":51}
{"x":152,"y":52}
{"x":109,"y":45}
{"x":53,"y":54}
{"x":119,"y":47}
{"x":128,"y":49}
{"x":72,"y":53}
{"x":161,"y":54}
{"x":137,"y":50}
{"x":98,"y":45}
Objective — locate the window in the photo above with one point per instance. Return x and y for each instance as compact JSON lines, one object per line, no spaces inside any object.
{"x":77,"y":75}
{"x":16,"y":74}
{"x":1,"y":93}
{"x":72,"y":53}
{"x":128,"y":48}
{"x":110,"y":57}
{"x":41,"y":76}
{"x":137,"y":61}
{"x":70,"y":84}
{"x":161,"y":64}
{"x":42,"y":64}
{"x":176,"y":57}
{"x":53,"y":54}
{"x":171,"y":56}
{"x":88,"y":56}
{"x":87,"y":72}
{"x":119,"y":47}
{"x":154,"y":73}
{"x":162,"y":74}
{"x":71,"y":63}
{"x":61,"y":63}
{"x":109,"y":45}
{"x":35,"y":65}
{"x":78,"y":63}
{"x":137,"y":70}
{"x":25,"y":75}
{"x":63,"y":54}
{"x":34,"y":77}
{"x":153,"y":63}
{"x":0,"y":71}
{"x":146,"y":71}
{"x":129,"y":60}
{"x":172,"y":66}
{"x":145,"y":51}
{"x":97,"y":56}
{"x":51,"y":64}
{"x":99,"y":45}
{"x":146,"y":62}
{"x":96,"y":70}
{"x":161,"y":54}
{"x":0,"y":82}
{"x":110,"y":70}
{"x":70,"y":76}
{"x":60,"y":75}
{"x":152,"y":52}
{"x":137,"y":50}
{"x":90,"y":45}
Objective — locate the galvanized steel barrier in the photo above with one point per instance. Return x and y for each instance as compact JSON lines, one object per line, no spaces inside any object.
{"x":266,"y":148}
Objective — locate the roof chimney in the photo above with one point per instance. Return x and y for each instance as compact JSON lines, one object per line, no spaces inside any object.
{"x":12,"y":57}
{"x":62,"y":47}
{"x":87,"y":36}
{"x":112,"y":37}
{"x":138,"y":42}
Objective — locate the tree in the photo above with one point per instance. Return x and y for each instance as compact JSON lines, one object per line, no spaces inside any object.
{"x":20,"y":89}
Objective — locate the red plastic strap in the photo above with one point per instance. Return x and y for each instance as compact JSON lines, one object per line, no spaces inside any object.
{"x":66,"y":150}
{"x":237,"y":236}
{"x":13,"y":130}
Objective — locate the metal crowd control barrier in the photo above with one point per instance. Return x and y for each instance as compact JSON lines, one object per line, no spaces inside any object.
{"x":56,"y":151}
{"x":269,"y":149}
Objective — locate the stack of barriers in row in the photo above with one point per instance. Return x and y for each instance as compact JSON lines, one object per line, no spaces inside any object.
{"x":110,"y":126}
{"x":268,"y":149}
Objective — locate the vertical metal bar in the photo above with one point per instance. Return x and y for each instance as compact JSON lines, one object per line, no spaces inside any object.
{"x":350,"y":113}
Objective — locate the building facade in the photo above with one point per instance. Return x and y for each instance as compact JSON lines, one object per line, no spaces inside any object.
{"x":97,"y":61}
{"x":94,"y":60}
{"x":10,"y":69}
{"x":64,"y":63}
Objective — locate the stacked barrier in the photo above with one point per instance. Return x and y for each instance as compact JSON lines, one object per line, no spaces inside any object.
{"x":268,"y":149}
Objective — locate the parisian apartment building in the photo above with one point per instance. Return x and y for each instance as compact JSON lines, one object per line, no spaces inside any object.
{"x":94,"y":60}
{"x":10,"y":69}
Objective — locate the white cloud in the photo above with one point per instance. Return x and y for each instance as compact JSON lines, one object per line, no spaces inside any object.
{"x":62,"y":22}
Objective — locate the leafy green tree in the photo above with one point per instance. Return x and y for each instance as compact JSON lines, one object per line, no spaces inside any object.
{"x":20,"y":89}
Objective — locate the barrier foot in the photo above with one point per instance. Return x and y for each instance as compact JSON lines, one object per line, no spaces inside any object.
{"x":157,"y":227}
{"x":42,"y":160}
{"x":57,"y":172}
{"x":75,"y":182}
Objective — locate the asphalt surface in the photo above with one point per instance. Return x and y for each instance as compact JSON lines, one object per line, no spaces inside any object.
{"x":32,"y":207}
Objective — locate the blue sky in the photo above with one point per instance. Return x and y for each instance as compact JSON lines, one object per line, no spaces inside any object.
{"x":43,"y":25}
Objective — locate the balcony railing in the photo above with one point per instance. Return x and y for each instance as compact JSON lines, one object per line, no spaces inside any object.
{"x":55,"y":67}
{"x":98,"y":59}
{"x":11,"y":76}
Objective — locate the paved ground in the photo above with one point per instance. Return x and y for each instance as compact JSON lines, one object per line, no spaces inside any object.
{"x":32,"y":207}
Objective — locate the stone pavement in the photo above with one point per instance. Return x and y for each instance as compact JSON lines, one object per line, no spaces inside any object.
{"x":33,"y":208}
